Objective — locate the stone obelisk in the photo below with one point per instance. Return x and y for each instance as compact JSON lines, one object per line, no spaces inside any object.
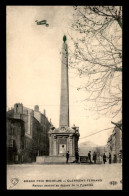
{"x":64,"y":138}
{"x":64,"y":99}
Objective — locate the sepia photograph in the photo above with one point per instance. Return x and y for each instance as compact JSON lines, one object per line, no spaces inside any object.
{"x":64,"y":97}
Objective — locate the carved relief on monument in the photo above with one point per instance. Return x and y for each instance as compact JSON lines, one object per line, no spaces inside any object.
{"x":63,"y":129}
{"x":62,"y":148}
{"x":60,"y":136}
{"x":62,"y":144}
{"x":54,"y":136}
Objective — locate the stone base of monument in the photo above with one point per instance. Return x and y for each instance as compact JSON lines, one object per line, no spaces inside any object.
{"x":53,"y":159}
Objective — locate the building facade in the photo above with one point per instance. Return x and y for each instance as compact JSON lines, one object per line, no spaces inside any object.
{"x":27,"y":134}
{"x":114,"y":143}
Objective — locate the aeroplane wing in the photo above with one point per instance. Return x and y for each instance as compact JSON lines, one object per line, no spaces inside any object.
{"x":43,"y":21}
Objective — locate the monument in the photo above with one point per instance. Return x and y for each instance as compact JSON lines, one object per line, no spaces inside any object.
{"x":64,"y":138}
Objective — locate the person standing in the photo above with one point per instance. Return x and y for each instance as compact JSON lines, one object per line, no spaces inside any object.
{"x":120,"y":158}
{"x":115,"y":158}
{"x":94,"y":157}
{"x":110,"y":158}
{"x":104,"y":158}
{"x":77,"y":156}
{"x":67,"y":156}
{"x":89,"y":156}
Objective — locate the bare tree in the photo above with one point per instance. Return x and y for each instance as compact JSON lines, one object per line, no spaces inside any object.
{"x":97,"y":55}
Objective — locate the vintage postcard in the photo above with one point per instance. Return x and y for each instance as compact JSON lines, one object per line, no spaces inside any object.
{"x":64,"y":97}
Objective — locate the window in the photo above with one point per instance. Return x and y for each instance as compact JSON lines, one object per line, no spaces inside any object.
{"x":11,"y":143}
{"x":12,"y":131}
{"x":26,"y":144}
{"x":16,"y":108}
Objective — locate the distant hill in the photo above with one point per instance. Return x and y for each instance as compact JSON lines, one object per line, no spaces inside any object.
{"x":87,"y":146}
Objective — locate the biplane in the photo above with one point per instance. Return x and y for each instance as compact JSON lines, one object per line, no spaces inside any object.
{"x":42,"y":22}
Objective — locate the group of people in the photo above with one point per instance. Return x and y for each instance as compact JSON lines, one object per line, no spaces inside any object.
{"x":89,"y":157}
{"x":76,"y":156}
{"x":95,"y":157}
{"x":109,"y":158}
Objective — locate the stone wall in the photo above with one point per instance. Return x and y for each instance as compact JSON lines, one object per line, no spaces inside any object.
{"x":53,"y":159}
{"x":15,"y":139}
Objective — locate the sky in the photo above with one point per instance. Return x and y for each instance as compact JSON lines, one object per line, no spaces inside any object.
{"x":34,"y":68}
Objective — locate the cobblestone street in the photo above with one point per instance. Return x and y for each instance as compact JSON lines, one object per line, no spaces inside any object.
{"x":64,"y":177}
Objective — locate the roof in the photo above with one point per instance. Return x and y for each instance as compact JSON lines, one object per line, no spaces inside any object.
{"x":15,"y":119}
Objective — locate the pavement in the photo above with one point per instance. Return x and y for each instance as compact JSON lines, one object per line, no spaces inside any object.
{"x":64,"y":176}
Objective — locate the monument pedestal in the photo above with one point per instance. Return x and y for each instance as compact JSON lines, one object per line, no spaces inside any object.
{"x":53,"y":159}
{"x":62,"y":140}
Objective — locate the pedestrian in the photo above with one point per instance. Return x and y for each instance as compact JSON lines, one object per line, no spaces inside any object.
{"x":115,"y":158}
{"x":119,"y":157}
{"x":94,"y":157}
{"x":110,"y":158}
{"x":77,"y":156}
{"x":67,"y":156}
{"x":104,"y":158}
{"x":89,"y":156}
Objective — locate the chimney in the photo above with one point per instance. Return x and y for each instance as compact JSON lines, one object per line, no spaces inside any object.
{"x":36,"y":108}
{"x":44,"y":112}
